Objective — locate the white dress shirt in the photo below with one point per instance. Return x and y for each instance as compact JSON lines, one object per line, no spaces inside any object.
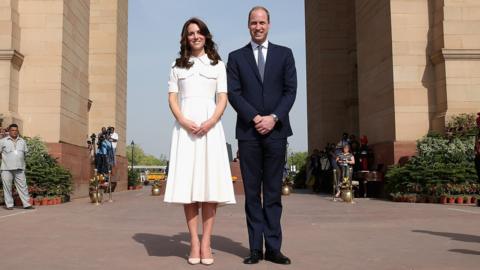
{"x":264,"y":50}
{"x":13,"y":153}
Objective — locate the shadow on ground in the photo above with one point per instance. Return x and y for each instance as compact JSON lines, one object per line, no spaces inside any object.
{"x":465,"y":251}
{"x":178,"y":245}
{"x":457,"y":237}
{"x":453,"y":236}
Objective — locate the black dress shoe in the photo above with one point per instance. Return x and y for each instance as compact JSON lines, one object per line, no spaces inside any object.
{"x":277,"y":257}
{"x":255,"y":257}
{"x":8,"y":208}
{"x":29,"y":208}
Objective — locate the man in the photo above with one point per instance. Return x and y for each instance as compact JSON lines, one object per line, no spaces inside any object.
{"x":113,"y":138}
{"x":262,"y":85}
{"x":13,"y":149}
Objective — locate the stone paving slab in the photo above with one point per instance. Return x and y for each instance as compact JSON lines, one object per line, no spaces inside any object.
{"x":139,"y":231}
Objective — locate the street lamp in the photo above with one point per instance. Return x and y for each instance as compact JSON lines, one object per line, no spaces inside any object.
{"x":133,"y":146}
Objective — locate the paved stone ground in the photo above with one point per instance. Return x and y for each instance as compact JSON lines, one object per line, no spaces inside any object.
{"x":139,"y":231}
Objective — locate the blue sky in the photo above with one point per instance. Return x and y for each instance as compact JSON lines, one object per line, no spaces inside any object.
{"x":153,"y":44}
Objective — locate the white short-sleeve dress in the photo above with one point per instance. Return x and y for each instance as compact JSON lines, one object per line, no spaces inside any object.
{"x":199,"y":169}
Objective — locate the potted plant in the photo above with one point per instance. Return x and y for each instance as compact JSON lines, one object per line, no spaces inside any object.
{"x":473,"y":199}
{"x":156,"y":188}
{"x":396,"y":197}
{"x":459,"y":199}
{"x":412,"y":197}
{"x":44,"y":200}
{"x":443,"y":198}
{"x":451,"y":199}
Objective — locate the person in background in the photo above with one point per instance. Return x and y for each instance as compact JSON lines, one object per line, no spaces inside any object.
{"x":101,"y":155}
{"x":113,"y":138}
{"x":12,"y":150}
{"x":314,"y":166}
{"x":344,"y":160}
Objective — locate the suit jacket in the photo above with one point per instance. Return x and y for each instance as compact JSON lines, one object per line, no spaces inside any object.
{"x":249,"y":96}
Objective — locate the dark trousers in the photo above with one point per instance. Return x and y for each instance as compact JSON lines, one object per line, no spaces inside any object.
{"x":262,"y":164}
{"x":101,"y":163}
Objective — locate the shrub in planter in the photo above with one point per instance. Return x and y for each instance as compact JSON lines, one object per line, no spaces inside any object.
{"x":44,"y":175}
{"x":133,"y":178}
{"x":443,"y":164}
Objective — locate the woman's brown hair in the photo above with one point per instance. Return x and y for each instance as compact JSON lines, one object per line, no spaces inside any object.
{"x":185,"y":50}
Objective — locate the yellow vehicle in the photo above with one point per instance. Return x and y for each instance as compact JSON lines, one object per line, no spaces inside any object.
{"x":149,"y":174}
{"x":152,"y":176}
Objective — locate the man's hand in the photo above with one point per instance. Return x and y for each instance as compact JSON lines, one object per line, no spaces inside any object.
{"x":257,"y":119}
{"x":265,"y":125}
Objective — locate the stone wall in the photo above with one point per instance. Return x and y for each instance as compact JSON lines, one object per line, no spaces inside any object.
{"x":108,"y":67}
{"x":331,"y":71}
{"x":58,"y":57}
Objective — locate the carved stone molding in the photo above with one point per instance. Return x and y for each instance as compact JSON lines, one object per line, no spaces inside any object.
{"x":455,"y":54}
{"x":12,"y":55}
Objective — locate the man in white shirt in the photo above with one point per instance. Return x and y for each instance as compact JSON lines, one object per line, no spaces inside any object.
{"x":12,"y":150}
{"x":113,"y":138}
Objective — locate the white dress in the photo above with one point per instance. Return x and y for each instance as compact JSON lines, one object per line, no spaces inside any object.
{"x":199,"y":170}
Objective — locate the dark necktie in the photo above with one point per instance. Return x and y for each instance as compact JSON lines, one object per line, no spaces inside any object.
{"x":261,"y":61}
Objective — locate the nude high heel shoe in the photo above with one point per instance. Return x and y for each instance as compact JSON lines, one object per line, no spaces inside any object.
{"x":193,"y":261}
{"x":208,"y":261}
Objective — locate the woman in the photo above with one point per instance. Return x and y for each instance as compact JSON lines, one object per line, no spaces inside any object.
{"x":199,"y":174}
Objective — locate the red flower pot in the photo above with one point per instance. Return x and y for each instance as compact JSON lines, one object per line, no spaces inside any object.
{"x":44,"y":201}
{"x":130,"y":188}
{"x":443,"y":199}
{"x":17,"y":201}
{"x":459,"y":200}
{"x":473,"y":200}
{"x":451,"y":200}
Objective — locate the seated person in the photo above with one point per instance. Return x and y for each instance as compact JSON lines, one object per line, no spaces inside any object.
{"x":344,"y":160}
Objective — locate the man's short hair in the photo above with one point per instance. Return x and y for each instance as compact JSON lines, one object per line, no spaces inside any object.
{"x":257,"y":8}
{"x":12,"y":126}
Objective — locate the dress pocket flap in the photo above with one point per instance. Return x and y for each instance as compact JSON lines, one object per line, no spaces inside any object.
{"x":184,"y":74}
{"x":209,"y":74}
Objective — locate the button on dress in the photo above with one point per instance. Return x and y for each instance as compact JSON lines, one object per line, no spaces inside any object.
{"x":199,"y":169}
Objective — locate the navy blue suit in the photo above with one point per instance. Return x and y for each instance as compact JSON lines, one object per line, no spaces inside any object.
{"x":262,"y":157}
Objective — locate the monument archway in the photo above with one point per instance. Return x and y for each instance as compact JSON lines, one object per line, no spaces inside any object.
{"x":390,"y":70}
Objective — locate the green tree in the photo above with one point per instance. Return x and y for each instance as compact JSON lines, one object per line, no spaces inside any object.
{"x":299,"y":159}
{"x":141,"y":158}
